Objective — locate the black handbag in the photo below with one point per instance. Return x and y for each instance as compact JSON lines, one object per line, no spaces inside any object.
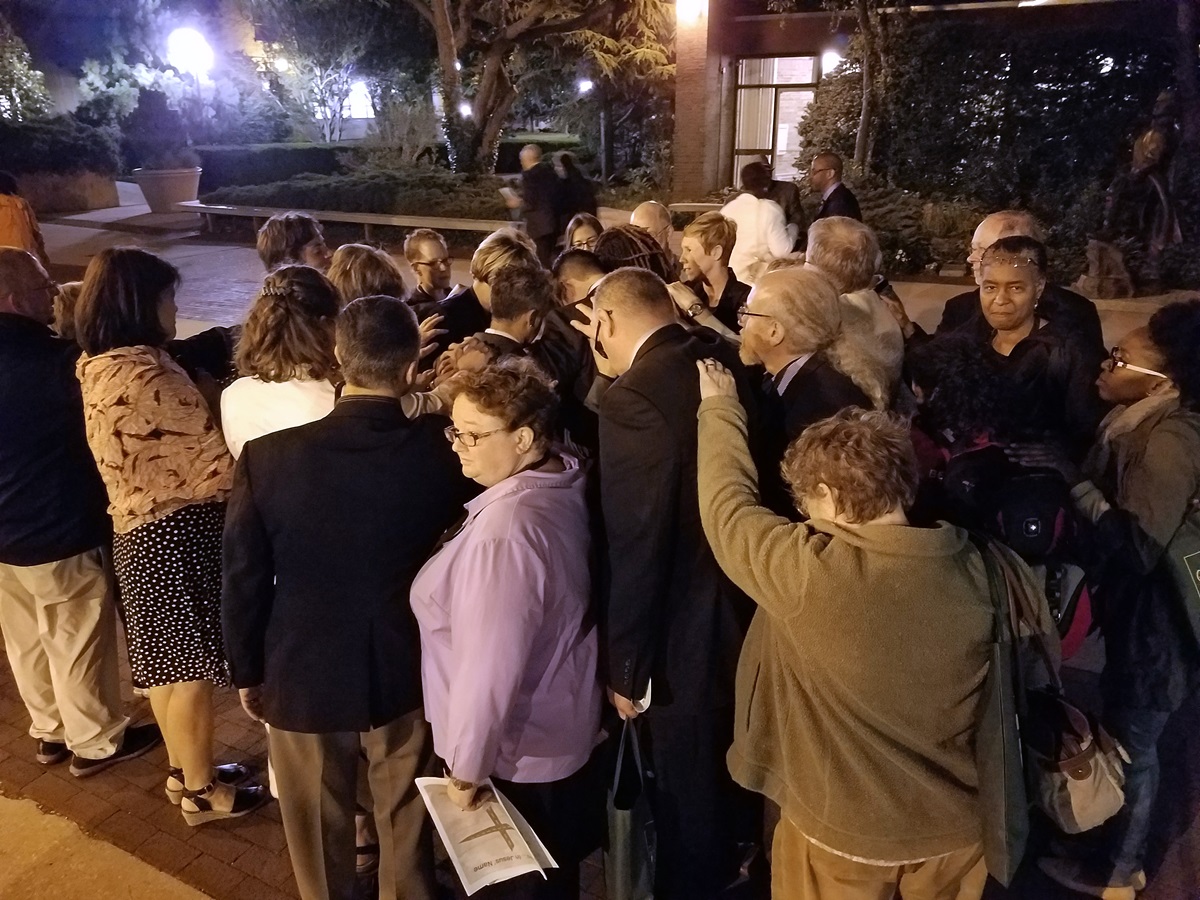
{"x":632,"y":842}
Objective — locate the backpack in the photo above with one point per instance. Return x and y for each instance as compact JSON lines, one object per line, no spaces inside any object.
{"x":1029,"y":510}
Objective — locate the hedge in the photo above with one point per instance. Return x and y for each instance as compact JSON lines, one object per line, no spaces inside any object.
{"x":226,"y":166}
{"x":508,"y":157}
{"x":61,"y":146}
{"x":431,"y":192}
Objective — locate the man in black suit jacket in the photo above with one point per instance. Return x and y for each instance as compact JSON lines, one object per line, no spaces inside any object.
{"x":790,"y":324}
{"x":825,"y":178}
{"x":327,"y":526}
{"x":540,"y":199}
{"x":673,"y":623}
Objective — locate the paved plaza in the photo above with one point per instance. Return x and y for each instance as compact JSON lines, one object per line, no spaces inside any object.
{"x":115,"y":835}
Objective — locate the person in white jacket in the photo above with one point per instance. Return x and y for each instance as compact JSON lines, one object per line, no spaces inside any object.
{"x":762,"y":232}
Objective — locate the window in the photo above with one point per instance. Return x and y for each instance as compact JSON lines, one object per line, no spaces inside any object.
{"x":772,"y":94}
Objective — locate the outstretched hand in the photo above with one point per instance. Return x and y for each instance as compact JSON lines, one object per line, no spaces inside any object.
{"x":715,"y":380}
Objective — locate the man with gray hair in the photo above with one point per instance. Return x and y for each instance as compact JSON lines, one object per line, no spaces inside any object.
{"x":847,"y":253}
{"x":792,"y":326}
{"x":540,"y":197}
{"x":57,"y":612}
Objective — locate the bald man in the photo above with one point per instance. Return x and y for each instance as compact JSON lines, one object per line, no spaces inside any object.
{"x":56,"y":611}
{"x":540,"y":198}
{"x":1057,"y":303}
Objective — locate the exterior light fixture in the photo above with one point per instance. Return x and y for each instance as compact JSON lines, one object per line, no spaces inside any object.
{"x":585,"y":85}
{"x":282,"y":64}
{"x":189,"y":52}
{"x":464,"y":109}
{"x":830,"y":60}
{"x":690,"y":12}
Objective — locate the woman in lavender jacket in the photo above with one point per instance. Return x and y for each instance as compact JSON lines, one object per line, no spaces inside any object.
{"x":509,"y":650}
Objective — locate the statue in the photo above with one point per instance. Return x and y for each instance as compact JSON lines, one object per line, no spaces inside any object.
{"x":1138,"y":203}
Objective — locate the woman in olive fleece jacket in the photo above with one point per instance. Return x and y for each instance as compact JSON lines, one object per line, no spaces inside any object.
{"x":860,"y":679}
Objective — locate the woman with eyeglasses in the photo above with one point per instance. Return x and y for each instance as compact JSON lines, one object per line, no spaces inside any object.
{"x":508,"y":649}
{"x":1135,"y":488}
{"x":582,"y":232}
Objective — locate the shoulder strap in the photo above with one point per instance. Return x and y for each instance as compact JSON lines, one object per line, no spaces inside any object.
{"x":1006,"y":628}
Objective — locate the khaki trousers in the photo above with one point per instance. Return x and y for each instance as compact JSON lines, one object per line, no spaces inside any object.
{"x":60,"y":633}
{"x":317,"y":776}
{"x":800,"y":870}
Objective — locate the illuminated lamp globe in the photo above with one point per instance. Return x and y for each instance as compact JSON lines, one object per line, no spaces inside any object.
{"x":189,"y":52}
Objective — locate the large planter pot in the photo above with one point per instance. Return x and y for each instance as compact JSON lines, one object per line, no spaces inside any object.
{"x":163,"y":188}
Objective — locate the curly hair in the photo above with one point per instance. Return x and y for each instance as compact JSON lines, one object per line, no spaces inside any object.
{"x":516,"y":391}
{"x":963,"y":392}
{"x":865,"y":458}
{"x":289,"y":330}
{"x":118,"y":303}
{"x":1175,"y":331}
{"x":358,"y":270}
{"x":623,"y":246}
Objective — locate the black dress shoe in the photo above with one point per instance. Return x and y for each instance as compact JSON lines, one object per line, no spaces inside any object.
{"x":137,"y":740}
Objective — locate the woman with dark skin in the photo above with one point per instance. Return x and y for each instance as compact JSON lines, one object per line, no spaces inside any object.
{"x":1136,"y":486}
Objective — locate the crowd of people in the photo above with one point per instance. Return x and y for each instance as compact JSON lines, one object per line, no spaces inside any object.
{"x":428,"y":528}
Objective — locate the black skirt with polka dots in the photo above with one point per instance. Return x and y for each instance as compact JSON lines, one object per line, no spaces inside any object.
{"x":169,"y":573}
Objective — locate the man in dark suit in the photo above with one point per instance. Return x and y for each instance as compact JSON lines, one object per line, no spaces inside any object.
{"x":521,"y":297}
{"x":790,"y":323}
{"x":825,"y":178}
{"x":673,"y":623}
{"x":540,"y":191}
{"x":327,"y":526}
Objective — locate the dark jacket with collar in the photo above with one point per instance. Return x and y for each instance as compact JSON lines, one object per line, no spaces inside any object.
{"x":728,"y":304}
{"x":669,"y":613}
{"x":1068,"y":308}
{"x":540,"y":199}
{"x":52,"y":500}
{"x":817,"y":391}
{"x":840,"y":202}
{"x":327,"y":526}
{"x":501,"y":344}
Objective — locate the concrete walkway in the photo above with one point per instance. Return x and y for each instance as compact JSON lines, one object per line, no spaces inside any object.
{"x":42,"y":856}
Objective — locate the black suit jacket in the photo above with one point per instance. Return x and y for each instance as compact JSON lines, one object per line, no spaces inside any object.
{"x":462,"y":316}
{"x":841,"y":202}
{"x":501,"y":344}
{"x":540,"y":200}
{"x":327,"y":526}
{"x":669,"y":612}
{"x":817,"y":391}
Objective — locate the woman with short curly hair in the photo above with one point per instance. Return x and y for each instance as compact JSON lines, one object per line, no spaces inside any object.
{"x":865,"y":663}
{"x":509,"y":652}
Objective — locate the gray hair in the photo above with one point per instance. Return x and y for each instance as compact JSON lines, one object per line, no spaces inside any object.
{"x":815,"y":319}
{"x":846,"y":251}
{"x":1018,"y":222}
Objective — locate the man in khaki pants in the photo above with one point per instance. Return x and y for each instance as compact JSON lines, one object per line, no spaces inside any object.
{"x":56,"y":610}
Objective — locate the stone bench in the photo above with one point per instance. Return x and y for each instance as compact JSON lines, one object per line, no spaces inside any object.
{"x":260,"y":214}
{"x":694,"y":207}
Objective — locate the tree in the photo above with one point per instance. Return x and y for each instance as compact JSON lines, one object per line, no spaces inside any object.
{"x":872,"y":61}
{"x":23,"y":93}
{"x":1186,"y":75}
{"x":488,"y":33}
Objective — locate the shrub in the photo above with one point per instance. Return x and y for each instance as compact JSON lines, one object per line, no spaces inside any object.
{"x":23,"y":92}
{"x":60,"y":145}
{"x":226,"y":166}
{"x":431,"y":192}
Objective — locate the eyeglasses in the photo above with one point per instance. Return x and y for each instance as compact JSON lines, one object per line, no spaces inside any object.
{"x":586,"y":244}
{"x":469,"y":438}
{"x":743,"y":314}
{"x":443,"y":263}
{"x":1119,"y":363}
{"x":818,"y":171}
